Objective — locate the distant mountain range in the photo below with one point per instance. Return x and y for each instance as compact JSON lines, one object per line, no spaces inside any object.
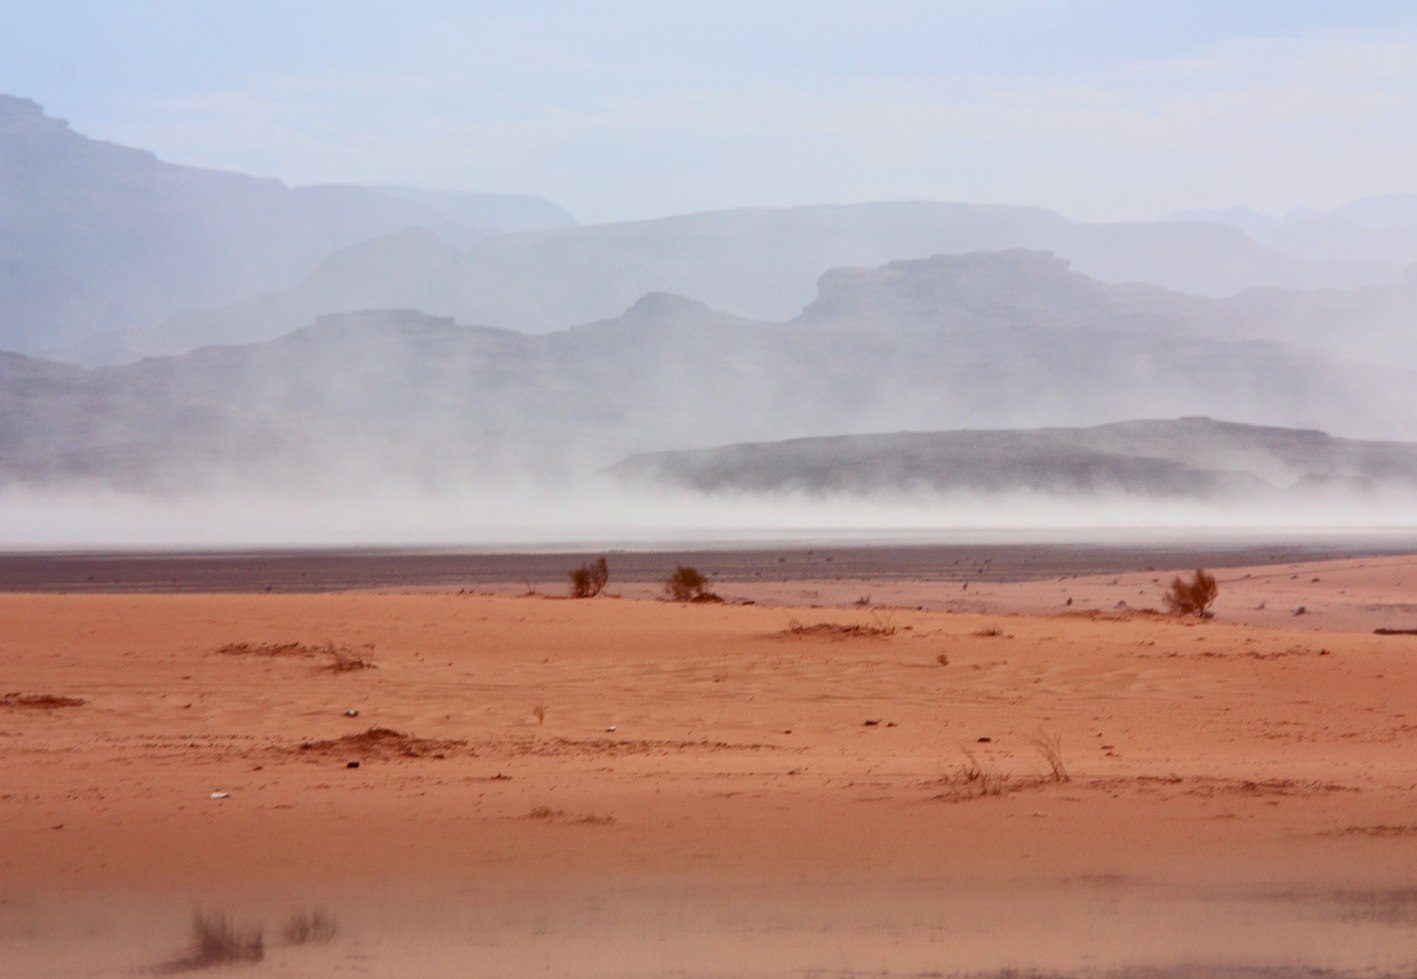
{"x":108,"y":254}
{"x":1372,"y":230}
{"x":1009,"y":339}
{"x":97,"y":237}
{"x":761,"y":264}
{"x":1196,"y":458}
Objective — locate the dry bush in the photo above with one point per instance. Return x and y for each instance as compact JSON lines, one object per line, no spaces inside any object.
{"x":686,"y":584}
{"x":40,"y":701}
{"x":991,"y":632}
{"x":215,"y":941}
{"x":542,"y":812}
{"x":313,"y":927}
{"x":833,"y":630}
{"x":1192,"y":597}
{"x":588,"y":580}
{"x":344,"y":660}
{"x":883,"y":621}
{"x":973,"y":780}
{"x":271,"y":649}
{"x":1050,"y":747}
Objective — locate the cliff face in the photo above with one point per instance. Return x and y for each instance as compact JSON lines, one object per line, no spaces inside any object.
{"x":942,"y":344}
{"x":97,"y":237}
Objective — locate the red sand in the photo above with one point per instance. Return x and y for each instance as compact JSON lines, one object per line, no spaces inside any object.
{"x":1238,"y":793}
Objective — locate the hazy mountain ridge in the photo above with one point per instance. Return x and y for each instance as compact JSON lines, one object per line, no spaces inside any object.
{"x":917,"y":345}
{"x":756,"y":263}
{"x":1188,"y":457}
{"x":1379,"y":230}
{"x":95,"y":236}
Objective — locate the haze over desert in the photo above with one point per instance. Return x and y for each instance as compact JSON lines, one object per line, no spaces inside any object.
{"x":750,"y":488}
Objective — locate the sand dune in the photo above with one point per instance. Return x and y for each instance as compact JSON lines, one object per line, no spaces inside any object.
{"x":708,"y":791}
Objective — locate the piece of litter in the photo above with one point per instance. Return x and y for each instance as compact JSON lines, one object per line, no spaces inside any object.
{"x":352,"y":764}
{"x":610,"y":728}
{"x":220,"y":795}
{"x":351,"y":713}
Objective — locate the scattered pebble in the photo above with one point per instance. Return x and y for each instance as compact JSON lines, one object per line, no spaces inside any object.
{"x":220,"y":795}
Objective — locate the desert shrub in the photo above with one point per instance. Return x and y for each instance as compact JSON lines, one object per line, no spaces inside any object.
{"x":686,"y":584}
{"x":1192,"y":597}
{"x":589,"y":579}
{"x":216,"y":942}
{"x":1051,"y":748}
{"x":309,"y":927}
{"x":346,"y":660}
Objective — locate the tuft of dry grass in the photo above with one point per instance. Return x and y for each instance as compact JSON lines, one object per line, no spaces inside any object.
{"x":40,"y":701}
{"x":1050,"y":747}
{"x":539,"y":712}
{"x":313,"y":927}
{"x":991,"y":632}
{"x":547,"y":814}
{"x":215,"y":942}
{"x":881,"y":627}
{"x":973,"y":780}
{"x":344,"y":660}
{"x":341,"y":658}
{"x":271,"y":649}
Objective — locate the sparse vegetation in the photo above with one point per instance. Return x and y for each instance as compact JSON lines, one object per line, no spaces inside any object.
{"x":347,"y":660}
{"x":39,"y":701}
{"x":834,"y":630}
{"x":686,"y":584}
{"x":588,"y":580}
{"x":341,"y":658}
{"x":271,"y":649}
{"x":1192,"y":597}
{"x":216,"y":941}
{"x":974,"y":780}
{"x":1050,"y":747}
{"x":990,"y":632}
{"x":313,"y":927}
{"x":547,"y":814}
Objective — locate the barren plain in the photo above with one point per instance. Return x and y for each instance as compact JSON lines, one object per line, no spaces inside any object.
{"x":799,"y":786}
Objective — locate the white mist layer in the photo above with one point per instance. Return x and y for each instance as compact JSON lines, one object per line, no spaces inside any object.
{"x":601,"y":517}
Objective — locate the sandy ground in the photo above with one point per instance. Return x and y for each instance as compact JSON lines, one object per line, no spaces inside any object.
{"x":720,"y":790}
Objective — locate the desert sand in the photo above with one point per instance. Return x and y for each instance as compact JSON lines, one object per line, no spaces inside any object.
{"x":632,"y":787}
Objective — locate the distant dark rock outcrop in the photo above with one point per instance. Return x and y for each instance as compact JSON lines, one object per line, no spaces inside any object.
{"x":398,"y":396}
{"x":1188,"y":458}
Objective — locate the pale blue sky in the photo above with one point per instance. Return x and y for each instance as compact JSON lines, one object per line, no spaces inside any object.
{"x":623,"y":110}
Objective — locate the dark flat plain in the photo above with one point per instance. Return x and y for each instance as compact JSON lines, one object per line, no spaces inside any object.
{"x":337,"y":570}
